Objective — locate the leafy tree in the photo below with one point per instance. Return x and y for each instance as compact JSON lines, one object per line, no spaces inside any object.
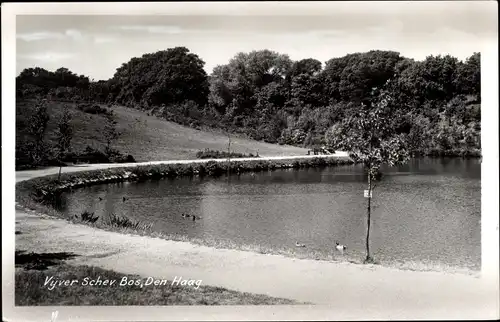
{"x":65,"y":78}
{"x":269,"y":100}
{"x":100,"y":91}
{"x":220,"y":95}
{"x":165,"y":77}
{"x":309,"y":66}
{"x":419,"y":136}
{"x":333,"y":135}
{"x":234,"y":86}
{"x":307,"y":89}
{"x":371,"y":140}
{"x":468,"y":80}
{"x":353,"y":76}
{"x":430,"y":80}
{"x":264,"y":66}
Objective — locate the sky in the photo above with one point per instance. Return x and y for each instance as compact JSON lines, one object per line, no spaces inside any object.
{"x":96,"y":45}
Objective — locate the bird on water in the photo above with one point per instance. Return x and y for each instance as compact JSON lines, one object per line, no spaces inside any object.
{"x":297,"y":244}
{"x":340,"y":248}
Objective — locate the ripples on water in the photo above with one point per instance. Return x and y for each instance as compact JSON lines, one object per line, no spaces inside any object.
{"x":425,"y":215}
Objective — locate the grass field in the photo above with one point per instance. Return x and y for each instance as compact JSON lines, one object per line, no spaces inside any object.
{"x":145,"y":137}
{"x":32,"y":289}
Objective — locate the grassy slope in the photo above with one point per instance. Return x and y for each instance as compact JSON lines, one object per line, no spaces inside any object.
{"x":147,"y":138}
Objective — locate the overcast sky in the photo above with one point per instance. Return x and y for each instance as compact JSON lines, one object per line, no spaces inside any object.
{"x":95,"y":45}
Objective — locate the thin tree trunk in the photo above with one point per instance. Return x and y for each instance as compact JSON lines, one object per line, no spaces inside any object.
{"x":60,"y":166}
{"x":228,"y":156}
{"x":368,"y":208}
{"x":59,"y":175}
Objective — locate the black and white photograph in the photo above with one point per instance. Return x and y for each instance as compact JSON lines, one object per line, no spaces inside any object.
{"x":250,"y":160}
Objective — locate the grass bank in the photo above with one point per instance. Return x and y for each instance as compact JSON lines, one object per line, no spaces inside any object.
{"x":31,"y":291}
{"x":45,"y":190}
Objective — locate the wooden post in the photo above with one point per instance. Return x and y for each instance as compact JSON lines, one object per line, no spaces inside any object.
{"x":60,"y":165}
{"x":59,"y":175}
{"x":228,"y":155}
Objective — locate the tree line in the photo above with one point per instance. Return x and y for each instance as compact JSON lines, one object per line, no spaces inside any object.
{"x":265,"y":95}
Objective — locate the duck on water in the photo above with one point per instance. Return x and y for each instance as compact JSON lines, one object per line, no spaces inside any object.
{"x":340,"y":248}
{"x":193,"y":217}
{"x":297,"y":244}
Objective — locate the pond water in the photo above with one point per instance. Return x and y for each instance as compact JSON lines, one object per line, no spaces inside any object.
{"x":425,"y":215}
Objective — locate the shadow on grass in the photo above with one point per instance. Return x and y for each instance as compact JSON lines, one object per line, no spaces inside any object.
{"x":40,"y":262}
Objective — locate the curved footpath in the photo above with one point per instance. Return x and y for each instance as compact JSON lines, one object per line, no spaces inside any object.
{"x":380,"y":292}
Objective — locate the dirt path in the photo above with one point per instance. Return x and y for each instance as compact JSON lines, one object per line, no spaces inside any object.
{"x":375,"y":289}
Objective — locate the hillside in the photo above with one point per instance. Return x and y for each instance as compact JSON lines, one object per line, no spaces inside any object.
{"x":145,"y":137}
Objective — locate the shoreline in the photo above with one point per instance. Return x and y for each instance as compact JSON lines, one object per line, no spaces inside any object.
{"x":309,"y":280}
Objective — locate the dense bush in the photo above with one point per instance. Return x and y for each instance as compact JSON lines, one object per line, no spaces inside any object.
{"x":212,"y":154}
{"x":94,"y":109}
{"x":87,"y":217}
{"x":89,"y":155}
{"x":123,"y":222}
{"x":214,"y":168}
{"x":92,"y":155}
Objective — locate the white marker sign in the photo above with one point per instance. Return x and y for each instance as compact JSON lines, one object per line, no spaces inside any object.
{"x":366,"y":194}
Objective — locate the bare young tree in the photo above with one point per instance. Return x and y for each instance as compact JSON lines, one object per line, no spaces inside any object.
{"x":228,"y":154}
{"x":64,"y":136}
{"x":37,"y":126}
{"x":110,"y":131}
{"x":371,"y":139}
